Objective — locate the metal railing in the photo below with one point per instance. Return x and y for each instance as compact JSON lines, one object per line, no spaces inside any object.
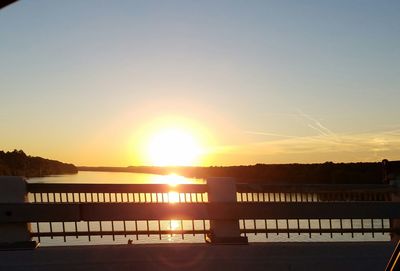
{"x":124,"y":212}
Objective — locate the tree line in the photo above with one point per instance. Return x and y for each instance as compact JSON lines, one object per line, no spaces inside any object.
{"x":322,"y":173}
{"x":17,"y":163}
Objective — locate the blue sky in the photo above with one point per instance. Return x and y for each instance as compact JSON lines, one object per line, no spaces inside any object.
{"x":271,"y":81}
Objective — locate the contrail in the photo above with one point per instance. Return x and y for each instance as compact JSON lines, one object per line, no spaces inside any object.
{"x":317,"y":126}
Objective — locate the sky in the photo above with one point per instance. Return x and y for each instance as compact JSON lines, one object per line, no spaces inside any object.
{"x":89,"y":82}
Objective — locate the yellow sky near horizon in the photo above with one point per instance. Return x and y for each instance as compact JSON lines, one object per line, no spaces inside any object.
{"x":122,"y":145}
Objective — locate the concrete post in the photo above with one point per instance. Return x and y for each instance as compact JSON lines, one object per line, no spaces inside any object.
{"x":224,"y":231}
{"x":391,"y":176}
{"x":395,"y":196}
{"x":14,"y":235}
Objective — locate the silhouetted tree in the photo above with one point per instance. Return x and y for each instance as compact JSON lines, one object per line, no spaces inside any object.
{"x":17,"y":163}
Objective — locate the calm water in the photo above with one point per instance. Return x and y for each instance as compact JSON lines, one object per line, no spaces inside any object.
{"x":115,"y":177}
{"x":122,"y":177}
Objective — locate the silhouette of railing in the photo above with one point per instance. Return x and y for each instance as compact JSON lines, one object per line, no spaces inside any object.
{"x":121,"y":193}
{"x":164,"y":212}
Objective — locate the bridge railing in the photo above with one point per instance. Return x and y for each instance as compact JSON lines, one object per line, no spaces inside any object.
{"x":314,"y":192}
{"x":139,"y":193}
{"x":125,"y":212}
{"x":63,"y":192}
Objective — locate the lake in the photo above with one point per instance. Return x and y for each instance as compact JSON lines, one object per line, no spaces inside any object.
{"x":115,"y":177}
{"x":140,"y":178}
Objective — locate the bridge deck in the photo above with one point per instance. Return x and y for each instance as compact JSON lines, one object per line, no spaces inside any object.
{"x":265,"y":256}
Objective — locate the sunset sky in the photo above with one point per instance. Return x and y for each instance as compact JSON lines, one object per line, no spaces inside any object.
{"x":219,"y":82}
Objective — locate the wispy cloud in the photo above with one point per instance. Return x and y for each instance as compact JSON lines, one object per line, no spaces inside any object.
{"x":318,"y":148}
{"x":325,"y":145}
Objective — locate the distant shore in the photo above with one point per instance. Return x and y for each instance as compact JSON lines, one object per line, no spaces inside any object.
{"x":323,"y":173}
{"x":17,"y":163}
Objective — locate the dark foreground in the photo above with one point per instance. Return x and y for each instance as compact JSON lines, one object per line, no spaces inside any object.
{"x":270,"y":256}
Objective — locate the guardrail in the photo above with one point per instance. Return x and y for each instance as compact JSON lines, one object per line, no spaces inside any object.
{"x":219,"y":212}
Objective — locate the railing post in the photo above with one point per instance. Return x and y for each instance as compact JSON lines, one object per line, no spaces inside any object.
{"x":392,"y":177}
{"x":14,"y":235}
{"x":395,"y":223}
{"x":224,"y":231}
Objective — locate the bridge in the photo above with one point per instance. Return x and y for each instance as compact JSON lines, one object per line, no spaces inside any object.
{"x":213,"y":226}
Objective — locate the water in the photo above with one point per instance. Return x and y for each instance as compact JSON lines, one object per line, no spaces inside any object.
{"x":116,"y":177}
{"x":139,"y":178}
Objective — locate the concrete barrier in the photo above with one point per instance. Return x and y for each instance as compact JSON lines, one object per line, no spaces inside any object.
{"x":14,"y":235}
{"x":223,"y":190}
{"x":395,"y":196}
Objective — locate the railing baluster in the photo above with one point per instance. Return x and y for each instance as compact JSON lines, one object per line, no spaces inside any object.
{"x":287,"y":227}
{"x":63,"y":230}
{"x":204,"y":229}
{"x":341,"y":226}
{"x":183,"y":235}
{"x":88,"y":228}
{"x":320,"y":226}
{"x":351,"y":226}
{"x":266,"y":228}
{"x":159,"y":228}
{"x":136,"y":229}
{"x":372,"y":228}
{"x":112,"y":230}
{"x":101,"y":229}
{"x":362,"y":226}
{"x":298,"y":225}
{"x":51,"y":230}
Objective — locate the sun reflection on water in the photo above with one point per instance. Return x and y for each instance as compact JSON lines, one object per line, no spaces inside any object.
{"x":173,"y":226}
{"x":171,"y":179}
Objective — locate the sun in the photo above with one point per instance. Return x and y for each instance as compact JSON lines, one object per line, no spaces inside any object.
{"x":173,"y":147}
